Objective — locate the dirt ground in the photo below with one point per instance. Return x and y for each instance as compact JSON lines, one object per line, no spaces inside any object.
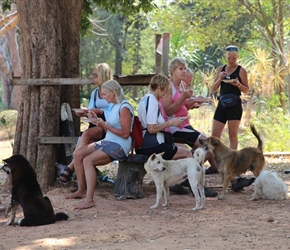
{"x":234,"y":223}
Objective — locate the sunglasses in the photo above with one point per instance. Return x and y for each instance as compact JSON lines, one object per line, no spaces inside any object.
{"x":95,"y":75}
{"x":231,"y":48}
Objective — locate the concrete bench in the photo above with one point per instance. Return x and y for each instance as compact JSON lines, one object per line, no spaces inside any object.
{"x":129,"y":181}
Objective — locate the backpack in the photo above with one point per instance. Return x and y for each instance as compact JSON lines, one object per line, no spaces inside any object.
{"x":137,"y":137}
{"x":136,"y":134}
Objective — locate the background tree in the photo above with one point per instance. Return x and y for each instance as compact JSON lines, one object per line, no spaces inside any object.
{"x":9,"y":59}
{"x":270,"y":19}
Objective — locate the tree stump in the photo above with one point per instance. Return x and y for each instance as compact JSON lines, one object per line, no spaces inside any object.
{"x":129,"y":182}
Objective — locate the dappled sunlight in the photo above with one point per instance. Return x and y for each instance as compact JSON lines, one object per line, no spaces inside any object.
{"x":50,"y":242}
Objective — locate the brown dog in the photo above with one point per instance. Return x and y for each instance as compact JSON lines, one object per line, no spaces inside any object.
{"x":235,"y":162}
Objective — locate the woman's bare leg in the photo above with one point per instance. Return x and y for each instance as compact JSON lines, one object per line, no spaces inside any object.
{"x":233,"y":127}
{"x":79,"y":156}
{"x":90,"y":162}
{"x":89,"y":135}
{"x":217,"y":128}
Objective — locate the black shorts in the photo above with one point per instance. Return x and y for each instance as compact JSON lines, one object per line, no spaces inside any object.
{"x":170,"y":150}
{"x":188,"y":137}
{"x":223,"y":114}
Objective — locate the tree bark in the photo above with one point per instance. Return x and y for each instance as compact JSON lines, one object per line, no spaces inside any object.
{"x":49,"y":40}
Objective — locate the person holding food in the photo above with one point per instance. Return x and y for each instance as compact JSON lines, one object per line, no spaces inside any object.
{"x":115,"y":146}
{"x":175,"y":103}
{"x":155,"y":139}
{"x":231,"y":80}
{"x":101,"y":73}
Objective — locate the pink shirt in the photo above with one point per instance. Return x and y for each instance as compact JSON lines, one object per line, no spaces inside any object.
{"x":181,"y":112}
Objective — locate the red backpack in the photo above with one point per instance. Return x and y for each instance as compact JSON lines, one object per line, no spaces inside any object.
{"x":136,"y":134}
{"x":137,"y":137}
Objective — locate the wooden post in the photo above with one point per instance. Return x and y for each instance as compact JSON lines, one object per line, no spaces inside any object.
{"x":129,"y":182}
{"x":165,"y":53}
{"x":158,"y":56}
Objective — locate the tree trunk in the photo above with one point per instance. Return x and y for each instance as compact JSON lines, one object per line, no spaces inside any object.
{"x":49,"y":39}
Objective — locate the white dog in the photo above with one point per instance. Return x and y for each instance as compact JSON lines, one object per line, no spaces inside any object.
{"x":269,"y":186}
{"x":166,"y":173}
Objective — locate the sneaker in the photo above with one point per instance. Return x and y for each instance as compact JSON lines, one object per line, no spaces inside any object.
{"x":210,"y":170}
{"x":207,"y":191}
{"x":178,"y":189}
{"x":210,"y":193}
{"x":185,"y":183}
{"x":238,"y":184}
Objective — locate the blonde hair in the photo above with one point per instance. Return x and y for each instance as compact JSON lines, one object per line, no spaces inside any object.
{"x":232,"y":50}
{"x":114,"y":86}
{"x":159,"y":80}
{"x":104,"y":72}
{"x":175,"y":62}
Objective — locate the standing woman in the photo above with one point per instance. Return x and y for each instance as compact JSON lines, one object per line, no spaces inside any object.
{"x":232,"y":80}
{"x":238,"y":83}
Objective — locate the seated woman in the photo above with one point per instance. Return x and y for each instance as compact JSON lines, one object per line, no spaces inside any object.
{"x":176,"y":103}
{"x":101,"y":73}
{"x":153,"y":125}
{"x":115,"y":146}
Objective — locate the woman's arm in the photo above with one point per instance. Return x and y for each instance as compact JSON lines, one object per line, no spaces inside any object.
{"x":220,"y":75}
{"x":243,"y":86}
{"x":97,"y":111}
{"x":154,"y":128}
{"x":125,"y":120}
{"x":169,"y":107}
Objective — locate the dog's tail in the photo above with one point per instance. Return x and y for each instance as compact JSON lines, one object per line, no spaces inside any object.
{"x":199,"y":155}
{"x":260,"y":142}
{"x":61,"y":216}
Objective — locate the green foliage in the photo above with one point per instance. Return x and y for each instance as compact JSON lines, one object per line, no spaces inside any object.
{"x":123,"y":7}
{"x":270,"y":121}
{"x":86,"y":13}
{"x":273,"y":124}
{"x":7,"y":124}
{"x":126,"y":7}
{"x":6,"y":4}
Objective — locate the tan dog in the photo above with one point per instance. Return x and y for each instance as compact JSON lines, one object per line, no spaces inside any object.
{"x":235,"y":162}
{"x":166,"y":173}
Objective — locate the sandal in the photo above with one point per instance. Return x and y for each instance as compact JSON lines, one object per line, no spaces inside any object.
{"x":62,"y":176}
{"x":74,"y":187}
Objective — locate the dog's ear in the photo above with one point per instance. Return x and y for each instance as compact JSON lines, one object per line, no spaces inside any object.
{"x":153,"y":156}
{"x":161,"y":154}
{"x":214,"y":141}
{"x":8,"y":160}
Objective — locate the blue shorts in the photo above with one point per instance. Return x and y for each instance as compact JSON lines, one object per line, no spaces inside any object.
{"x":112,"y":149}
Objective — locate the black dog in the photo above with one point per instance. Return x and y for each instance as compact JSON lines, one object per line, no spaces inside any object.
{"x":26,"y":192}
